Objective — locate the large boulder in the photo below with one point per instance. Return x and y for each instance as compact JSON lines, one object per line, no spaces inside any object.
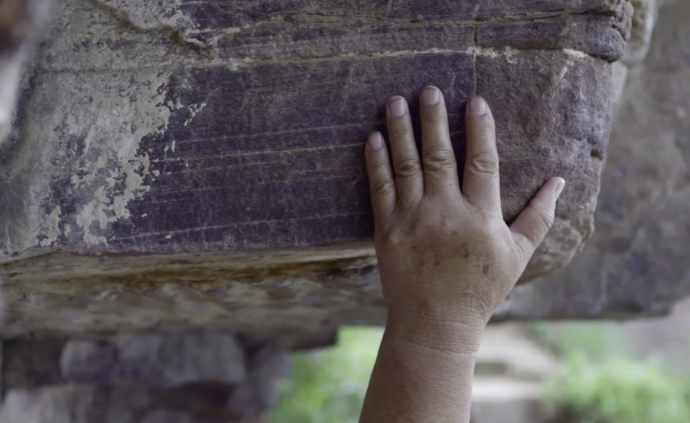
{"x":636,"y":263}
{"x":175,"y":164}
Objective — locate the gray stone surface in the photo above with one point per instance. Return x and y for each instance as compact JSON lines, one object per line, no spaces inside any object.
{"x":251,"y":364}
{"x":121,"y":403}
{"x":636,"y":264}
{"x":143,"y":378}
{"x":29,"y":363}
{"x":159,"y":146}
{"x":267,"y":367}
{"x":157,"y":359}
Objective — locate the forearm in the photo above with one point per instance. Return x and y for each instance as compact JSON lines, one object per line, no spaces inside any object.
{"x":423,"y":373}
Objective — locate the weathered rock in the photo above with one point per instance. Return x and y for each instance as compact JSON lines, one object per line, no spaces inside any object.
{"x":121,"y":403}
{"x":197,"y":377}
{"x":29,"y":363}
{"x":156,"y":145}
{"x":160,"y":360}
{"x":267,"y":367}
{"x":637,"y":262}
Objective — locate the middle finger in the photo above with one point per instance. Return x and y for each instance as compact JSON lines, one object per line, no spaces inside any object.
{"x":408,"y":170}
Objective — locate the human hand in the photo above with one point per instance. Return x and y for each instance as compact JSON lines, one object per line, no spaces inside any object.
{"x":446,"y":257}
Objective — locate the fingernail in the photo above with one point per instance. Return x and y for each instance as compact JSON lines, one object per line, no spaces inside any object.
{"x":559,"y":187}
{"x":375,"y":141}
{"x":430,"y":96}
{"x":477,"y":106}
{"x":397,"y":107}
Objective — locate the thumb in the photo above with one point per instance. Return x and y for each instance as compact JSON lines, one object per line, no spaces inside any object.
{"x":530,"y":228}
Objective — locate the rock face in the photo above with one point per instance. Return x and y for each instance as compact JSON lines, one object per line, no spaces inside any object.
{"x":143,"y":378}
{"x":637,"y":261}
{"x":181,"y":163}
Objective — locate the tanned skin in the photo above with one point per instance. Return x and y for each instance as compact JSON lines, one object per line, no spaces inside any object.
{"x":447,"y":258}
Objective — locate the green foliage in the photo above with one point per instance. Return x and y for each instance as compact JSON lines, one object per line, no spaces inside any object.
{"x":620,"y":390}
{"x":328,"y":386}
{"x":600,"y":383}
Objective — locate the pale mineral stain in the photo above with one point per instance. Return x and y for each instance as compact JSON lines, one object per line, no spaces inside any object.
{"x":119,"y":174}
{"x":52,"y":225}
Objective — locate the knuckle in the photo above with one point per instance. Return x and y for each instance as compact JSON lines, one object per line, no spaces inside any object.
{"x":541,"y":221}
{"x":407,"y":168}
{"x":439,"y":160}
{"x":381,"y":189}
{"x":546,"y":218}
{"x":378,"y":169}
{"x":391,"y":238}
{"x":484,"y":163}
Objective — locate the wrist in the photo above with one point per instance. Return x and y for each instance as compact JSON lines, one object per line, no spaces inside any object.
{"x":456,"y":334}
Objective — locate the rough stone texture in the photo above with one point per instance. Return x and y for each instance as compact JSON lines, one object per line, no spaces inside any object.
{"x":309,"y":290}
{"x":121,"y":403}
{"x":161,"y":360}
{"x":266,"y":367}
{"x":142,"y":378}
{"x":156,"y":144}
{"x":637,"y":261}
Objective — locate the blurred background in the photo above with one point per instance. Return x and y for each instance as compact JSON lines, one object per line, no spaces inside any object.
{"x":539,"y":372}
